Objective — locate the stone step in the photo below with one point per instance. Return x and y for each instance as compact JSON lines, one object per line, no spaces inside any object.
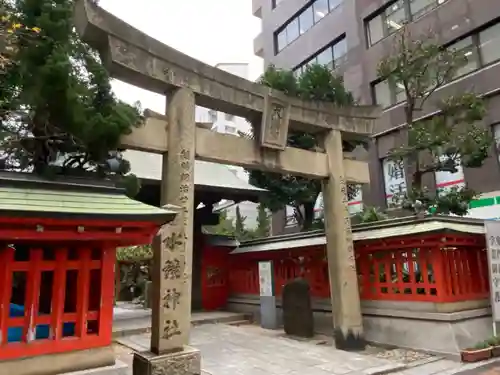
{"x":138,"y":325}
{"x":238,"y":323}
{"x":219,"y":318}
{"x":119,"y":368}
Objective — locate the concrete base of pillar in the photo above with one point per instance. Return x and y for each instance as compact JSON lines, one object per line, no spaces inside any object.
{"x":350,"y":341}
{"x":185,"y":362}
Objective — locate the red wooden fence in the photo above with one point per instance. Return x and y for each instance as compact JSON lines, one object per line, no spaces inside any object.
{"x":60,"y":290}
{"x":434,"y":268}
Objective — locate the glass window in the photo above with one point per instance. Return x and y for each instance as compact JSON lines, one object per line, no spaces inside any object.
{"x":320,"y":9}
{"x":489,"y":42}
{"x":212,"y":115}
{"x":420,"y":7}
{"x":306,"y":20}
{"x":228,"y":117}
{"x":395,"y":16}
{"x":382,"y":94}
{"x":229,"y":129}
{"x":375,"y":30}
{"x":340,"y":51}
{"x":334,"y":4}
{"x":325,"y":57}
{"x":281,"y":40}
{"x":399,"y":92}
{"x":467,"y":47}
{"x":292,"y":31}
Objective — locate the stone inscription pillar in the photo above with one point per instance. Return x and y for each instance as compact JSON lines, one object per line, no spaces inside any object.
{"x":173,"y":251}
{"x":344,"y":292}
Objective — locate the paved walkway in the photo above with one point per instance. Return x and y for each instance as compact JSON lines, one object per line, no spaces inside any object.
{"x":490,"y":369}
{"x":228,"y":350}
{"x":132,"y":319}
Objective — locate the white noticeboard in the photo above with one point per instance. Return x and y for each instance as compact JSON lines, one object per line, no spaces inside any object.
{"x":395,"y":181}
{"x":266,"y":279}
{"x":493,"y":245}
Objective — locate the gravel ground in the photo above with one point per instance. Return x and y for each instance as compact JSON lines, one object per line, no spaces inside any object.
{"x":400,"y":355}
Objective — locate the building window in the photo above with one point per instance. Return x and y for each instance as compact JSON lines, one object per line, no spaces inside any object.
{"x":229,"y":129}
{"x":382,"y":94}
{"x":306,"y":20}
{"x":489,"y":44}
{"x":399,"y":92}
{"x":275,"y":3}
{"x":325,"y":57}
{"x":480,"y":48}
{"x":303,"y":21}
{"x":320,"y":8}
{"x":229,"y":117}
{"x":340,"y":51}
{"x":395,"y":17}
{"x":392,"y":17}
{"x":334,"y":4}
{"x":468,"y":48}
{"x":292,"y":31}
{"x":212,"y":115}
{"x":281,"y":40}
{"x":332,"y":56}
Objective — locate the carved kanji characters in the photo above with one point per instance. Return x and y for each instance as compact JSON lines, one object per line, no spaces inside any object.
{"x":170,"y":329}
{"x":172,"y":269}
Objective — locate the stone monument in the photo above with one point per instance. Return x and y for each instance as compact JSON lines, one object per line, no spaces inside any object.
{"x":298,"y":317}
{"x":134,"y":57}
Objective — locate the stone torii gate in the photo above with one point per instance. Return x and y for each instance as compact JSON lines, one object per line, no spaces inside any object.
{"x":137,"y":58}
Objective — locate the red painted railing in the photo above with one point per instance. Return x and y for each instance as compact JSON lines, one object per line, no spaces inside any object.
{"x":434,"y":268}
{"x":58,"y":301}
{"x":439,"y":268}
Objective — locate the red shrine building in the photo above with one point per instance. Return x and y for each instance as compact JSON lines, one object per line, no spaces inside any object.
{"x":58,"y":243}
{"x":414,"y":276}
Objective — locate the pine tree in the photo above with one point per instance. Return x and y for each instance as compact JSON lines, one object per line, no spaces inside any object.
{"x":224,"y":228}
{"x":56,"y":102}
{"x":263,"y":222}
{"x":239,"y":225}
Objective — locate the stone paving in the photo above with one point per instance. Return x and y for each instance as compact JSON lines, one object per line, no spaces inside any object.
{"x":251,"y":350}
{"x":228,"y":350}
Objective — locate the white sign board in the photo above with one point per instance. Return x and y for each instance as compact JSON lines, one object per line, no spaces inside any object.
{"x":447,"y":180}
{"x":493,"y":245}
{"x":395,"y":181}
{"x":356,"y":202}
{"x":266,"y":279}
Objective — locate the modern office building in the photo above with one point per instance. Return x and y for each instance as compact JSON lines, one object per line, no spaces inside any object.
{"x":352,"y":36}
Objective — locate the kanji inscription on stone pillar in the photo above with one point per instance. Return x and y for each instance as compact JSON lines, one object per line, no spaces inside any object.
{"x":174,"y":245}
{"x":348,"y":326}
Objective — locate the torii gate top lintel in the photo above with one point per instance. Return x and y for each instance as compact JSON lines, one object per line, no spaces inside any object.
{"x":137,"y":58}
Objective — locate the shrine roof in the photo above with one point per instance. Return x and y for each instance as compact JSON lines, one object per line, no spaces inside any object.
{"x":207,"y":175}
{"x":405,"y":226}
{"x":28,"y":195}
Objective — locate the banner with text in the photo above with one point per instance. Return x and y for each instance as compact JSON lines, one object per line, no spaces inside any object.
{"x":493,"y":245}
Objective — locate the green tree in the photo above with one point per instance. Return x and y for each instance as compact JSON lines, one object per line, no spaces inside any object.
{"x":443,"y":142}
{"x":57,"y":110}
{"x":263,"y":222}
{"x":225,"y":227}
{"x":370,"y":215}
{"x":239,"y":224}
{"x":316,"y":83}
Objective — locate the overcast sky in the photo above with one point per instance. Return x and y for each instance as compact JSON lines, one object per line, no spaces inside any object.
{"x":213,"y":31}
